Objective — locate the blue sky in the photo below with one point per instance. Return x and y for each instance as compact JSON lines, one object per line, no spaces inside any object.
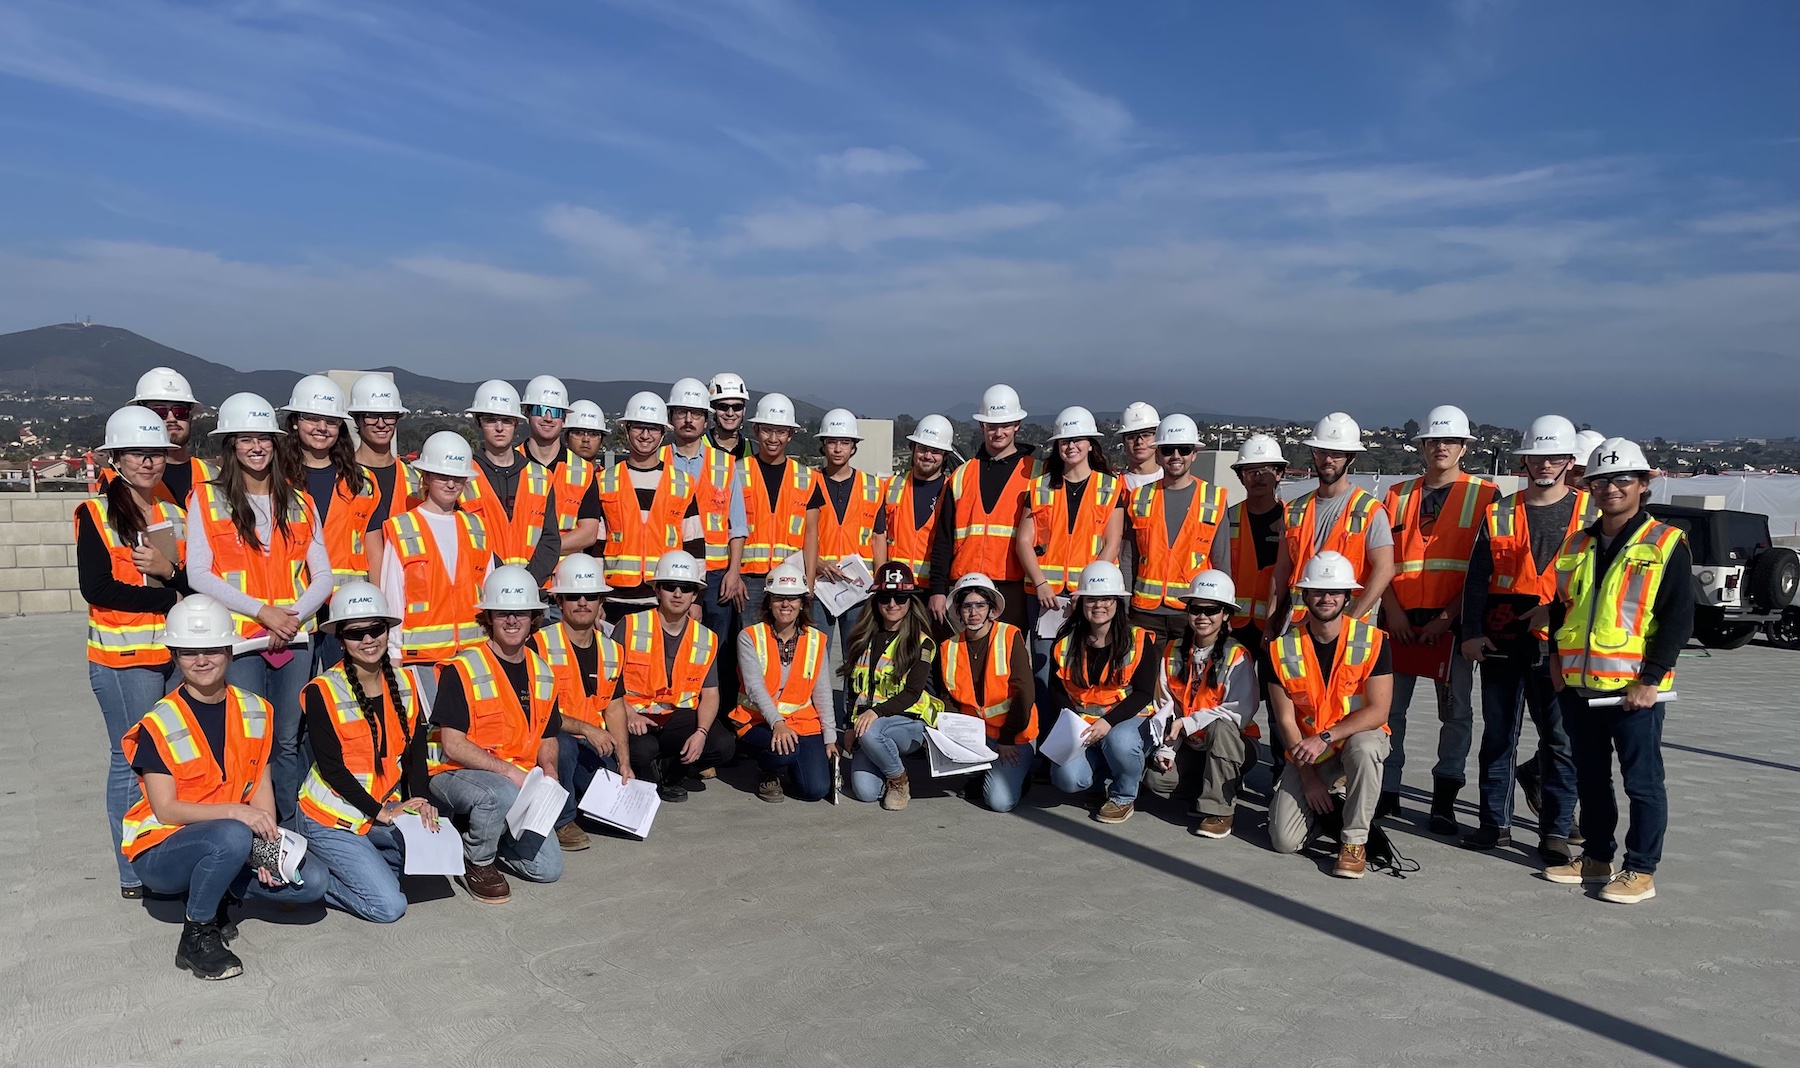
{"x":1261,"y":208}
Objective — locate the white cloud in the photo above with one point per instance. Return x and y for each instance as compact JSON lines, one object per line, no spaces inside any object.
{"x":651,"y":251}
{"x":869,"y":162}
{"x":492,"y":281}
{"x":1772,"y":220}
{"x":1094,"y":120}
{"x":859,"y":227}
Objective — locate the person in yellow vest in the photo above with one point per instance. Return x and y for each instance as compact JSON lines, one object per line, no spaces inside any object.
{"x":1207,"y":683}
{"x":167,"y":393}
{"x":131,"y":570}
{"x":1624,"y":609}
{"x":367,"y":735}
{"x":670,"y":685}
{"x":255,"y":545}
{"x":494,"y":721}
{"x":586,"y":662}
{"x":205,"y":800}
{"x":1434,"y":519}
{"x":649,"y":506}
{"x":786,"y":713}
{"x":912,"y":499}
{"x":1174,"y":532}
{"x":1330,"y":713}
{"x":572,"y":498}
{"x":376,"y":412}
{"x":888,"y":670}
{"x":979,"y":512}
{"x":719,"y":477}
{"x":777,"y":488}
{"x":984,"y":670}
{"x":844,"y":516}
{"x":514,"y":497}
{"x":1102,"y":669}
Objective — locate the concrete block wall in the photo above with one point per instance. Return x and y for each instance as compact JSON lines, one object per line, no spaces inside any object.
{"x":37,"y":554}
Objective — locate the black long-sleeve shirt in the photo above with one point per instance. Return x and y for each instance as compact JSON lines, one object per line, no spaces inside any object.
{"x":94,"y":573}
{"x":1673,"y":609}
{"x":1093,"y":668}
{"x":994,"y":475}
{"x":328,"y":754}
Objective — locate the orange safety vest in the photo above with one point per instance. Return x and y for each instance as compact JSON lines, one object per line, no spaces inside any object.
{"x":438,"y":619}
{"x":1320,"y":703}
{"x":572,"y":698}
{"x":1429,"y":568}
{"x":1609,"y":624}
{"x":649,"y":691}
{"x":1255,"y":585}
{"x":853,"y":535}
{"x":408,"y":491}
{"x":963,"y":695}
{"x":1110,"y":690}
{"x":1165,"y":569}
{"x":170,"y":726}
{"x":1349,"y":535}
{"x":794,"y":698}
{"x":496,"y":722}
{"x":714,"y":491}
{"x":635,"y":542}
{"x":119,"y":639}
{"x":983,"y":540}
{"x":906,"y":543}
{"x":277,"y":574}
{"x":1064,"y":548}
{"x":379,"y":773}
{"x":1509,"y":542}
{"x":1196,"y":692}
{"x":778,"y":534}
{"x":513,"y":537}
{"x":571,"y":479}
{"x":346,"y":525}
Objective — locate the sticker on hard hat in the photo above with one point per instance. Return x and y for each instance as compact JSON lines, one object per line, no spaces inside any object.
{"x":362,"y":600}
{"x":508,"y":591}
{"x":259,"y":413}
{"x":1608,"y":460}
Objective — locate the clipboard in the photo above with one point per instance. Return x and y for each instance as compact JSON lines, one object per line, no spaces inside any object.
{"x":1426,"y":661}
{"x":161,"y":537}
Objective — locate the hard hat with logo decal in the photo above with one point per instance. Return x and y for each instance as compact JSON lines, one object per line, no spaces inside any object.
{"x":1259,"y":449}
{"x":1548,"y":435}
{"x":774,"y":409}
{"x":689,"y":393}
{"x":1102,"y":578}
{"x":788,"y":579}
{"x":1329,"y":570}
{"x":245,"y":413}
{"x":163,"y":384}
{"x":1336,"y":432}
{"x":376,"y":394}
{"x":645,"y":409}
{"x":446,"y":453}
{"x":1137,"y":416}
{"x":1074,"y":422}
{"x":136,"y":427}
{"x":1177,"y":429}
{"x":1445,"y":421}
{"x":839,"y":423}
{"x":579,"y":573}
{"x":934,"y":432}
{"x":976,"y":582}
{"x":317,"y":395}
{"x":1585,"y":444}
{"x":1212,"y":586}
{"x":585,"y":415}
{"x":358,"y":600}
{"x":895,"y":577}
{"x":678,"y":565}
{"x":1000,"y":404}
{"x":496,"y":397}
{"x":547,"y":390}
{"x":727,"y":386}
{"x":198,"y":622}
{"x":1616,"y":456}
{"x":510,"y":588}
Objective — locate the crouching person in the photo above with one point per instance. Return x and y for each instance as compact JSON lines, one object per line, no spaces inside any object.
{"x":671,"y":684}
{"x":888,"y":667}
{"x":1330,"y":711}
{"x":201,"y":755}
{"x":586,"y":664}
{"x":786,"y":713}
{"x":1209,"y":680}
{"x":495,"y":719}
{"x":1099,"y":670}
{"x":985,"y":671}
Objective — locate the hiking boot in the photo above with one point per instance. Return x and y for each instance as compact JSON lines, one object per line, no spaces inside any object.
{"x":1532,"y":783}
{"x":1584,"y":870}
{"x":1443,"y":807}
{"x":572,"y":838}
{"x":669,"y":780}
{"x":1113,"y":812}
{"x":1485,"y":838}
{"x":1214,"y":827}
{"x":898,"y":793}
{"x":709,"y":773}
{"x":1629,"y":888}
{"x":769,"y":789}
{"x":1352,"y":862}
{"x":1553,"y":850}
{"x":695,"y":782}
{"x":202,"y":951}
{"x":486,"y":885}
{"x":1389,"y":805}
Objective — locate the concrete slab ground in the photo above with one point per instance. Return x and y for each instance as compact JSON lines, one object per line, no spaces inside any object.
{"x":795,"y":934}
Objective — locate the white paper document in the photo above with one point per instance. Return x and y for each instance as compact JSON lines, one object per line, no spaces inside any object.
{"x":1064,"y":742}
{"x":958,"y":745}
{"x":1050,"y":621}
{"x":629,"y":806}
{"x":1615,"y":702}
{"x":540,"y":801}
{"x":429,"y":852}
{"x":840,"y":597}
{"x":250,"y":645}
{"x":293,"y":851}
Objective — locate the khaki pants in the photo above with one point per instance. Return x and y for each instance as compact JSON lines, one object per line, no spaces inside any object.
{"x":1212,"y":774}
{"x":1359,"y":764}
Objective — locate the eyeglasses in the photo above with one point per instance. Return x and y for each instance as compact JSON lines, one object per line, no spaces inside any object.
{"x":379,"y":417}
{"x":1621,"y":481}
{"x":195,"y":654}
{"x":544,"y":411}
{"x":892,"y":598}
{"x":172,"y":411}
{"x":729,"y":407}
{"x":578,"y":596}
{"x":970,"y":603}
{"x":675,"y":587}
{"x":1207,"y":610}
{"x":360,"y":634}
{"x":141,"y":456}
{"x":1175,"y":450}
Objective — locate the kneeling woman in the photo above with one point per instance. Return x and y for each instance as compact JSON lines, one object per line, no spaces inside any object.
{"x":888,"y":665}
{"x":984,"y":671}
{"x":1099,"y":670}
{"x":786,"y":711}
{"x":202,"y":759}
{"x":1210,"y":680}
{"x":368,"y":743}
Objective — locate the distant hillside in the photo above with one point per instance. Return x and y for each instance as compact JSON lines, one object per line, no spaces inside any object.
{"x":1046,"y":414}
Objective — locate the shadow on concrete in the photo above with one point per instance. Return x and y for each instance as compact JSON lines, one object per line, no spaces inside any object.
{"x":1646,"y":1040}
{"x":1732,"y":756}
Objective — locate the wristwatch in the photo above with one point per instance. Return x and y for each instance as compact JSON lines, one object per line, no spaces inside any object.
{"x":1325,"y":736}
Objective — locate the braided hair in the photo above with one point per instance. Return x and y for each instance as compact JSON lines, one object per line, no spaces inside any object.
{"x":1215,"y":659}
{"x":372,"y":706}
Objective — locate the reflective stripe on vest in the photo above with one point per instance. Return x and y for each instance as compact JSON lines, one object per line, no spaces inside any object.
{"x":1062,"y":553}
{"x":854,"y":534}
{"x":648,"y":689}
{"x":982,"y":540}
{"x":1164,"y":570}
{"x":1255,"y":585}
{"x":872,"y":686}
{"x":1348,"y":535}
{"x":1429,"y":568}
{"x":963,"y":693}
{"x":171,"y":727}
{"x":1111,"y":689}
{"x":117,"y":638}
{"x":277,"y":573}
{"x":1322,"y":699}
{"x":496,"y":722}
{"x":906,"y":543}
{"x":633,"y":543}
{"x":573,"y":700}
{"x":377,"y":773}
{"x":1609,"y":623}
{"x":793,"y":696}
{"x":438,"y":617}
{"x":774,"y":535}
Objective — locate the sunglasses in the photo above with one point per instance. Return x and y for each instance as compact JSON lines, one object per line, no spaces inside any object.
{"x":728,"y":406}
{"x":1207,"y":610}
{"x":358,"y":634}
{"x":1175,"y":450}
{"x":172,"y":411}
{"x":892,"y":598}
{"x":545,"y":411}
{"x":578,"y":596}
{"x":676,"y":587}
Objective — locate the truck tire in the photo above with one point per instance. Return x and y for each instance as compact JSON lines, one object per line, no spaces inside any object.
{"x":1774,"y":578}
{"x":1727,"y":635}
{"x":1784,"y":633}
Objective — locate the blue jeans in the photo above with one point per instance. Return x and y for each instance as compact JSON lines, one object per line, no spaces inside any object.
{"x":1004,"y":784}
{"x":838,"y":629}
{"x":207,"y":860}
{"x":879,"y":754}
{"x":721,"y":617}
{"x":363,"y":870}
{"x":125,"y":694}
{"x":1118,"y":759}
{"x":1508,"y":691}
{"x":288,"y":761}
{"x":577,"y":763}
{"x":1456,"y":723}
{"x":807,"y":763}
{"x":484,"y":798}
{"x":1594,"y":733}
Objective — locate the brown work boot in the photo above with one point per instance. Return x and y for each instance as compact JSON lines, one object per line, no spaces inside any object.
{"x":770,"y":790}
{"x":1629,"y":888}
{"x":897,"y":794}
{"x":486,"y":885}
{"x":1352,"y":861}
{"x":1583,"y":870}
{"x":1113,"y":812}
{"x":572,"y":838}
{"x":1214,"y":827}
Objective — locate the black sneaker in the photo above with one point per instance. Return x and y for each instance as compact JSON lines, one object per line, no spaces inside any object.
{"x":203,"y":952}
{"x":1485,"y":838}
{"x":1532,"y":783}
{"x":668,"y":781}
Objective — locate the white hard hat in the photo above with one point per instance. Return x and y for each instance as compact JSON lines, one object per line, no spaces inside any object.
{"x":1616,"y":456}
{"x":1336,"y":432}
{"x":496,"y":397}
{"x":246,"y":413}
{"x":787,"y":579}
{"x":934,"y":432}
{"x":579,"y":573}
{"x":727,"y":386}
{"x":163,"y":384}
{"x":1550,"y":435}
{"x":317,"y":395}
{"x":1177,"y":429}
{"x":198,"y":622}
{"x":689,"y":393}
{"x":1259,"y":449}
{"x":1074,"y":422}
{"x":645,"y":408}
{"x":1102,"y":578}
{"x":510,"y":588}
{"x":135,"y":427}
{"x":376,"y":393}
{"x":774,"y":409}
{"x":355,"y":601}
{"x":1212,"y":585}
{"x":446,"y":453}
{"x":1329,"y":570}
{"x":1138,"y":416}
{"x":678,"y":565}
{"x":839,"y":423}
{"x":585,"y":415}
{"x":546,"y":389}
{"x":1000,"y":404}
{"x":975,"y":580}
{"x":1445,"y":421}
{"x":1585,"y":444}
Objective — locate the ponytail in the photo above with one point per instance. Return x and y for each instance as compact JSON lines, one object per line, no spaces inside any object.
{"x":122,"y":511}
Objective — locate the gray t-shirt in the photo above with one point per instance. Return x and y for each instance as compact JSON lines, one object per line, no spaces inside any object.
{"x":1176,"y":503}
{"x":1325,"y":515}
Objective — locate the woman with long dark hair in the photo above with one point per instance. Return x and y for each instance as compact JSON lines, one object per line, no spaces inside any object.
{"x":321,"y":462}
{"x":887,"y":675}
{"x":1100,"y":669}
{"x":786,"y":713}
{"x":1210,"y":681}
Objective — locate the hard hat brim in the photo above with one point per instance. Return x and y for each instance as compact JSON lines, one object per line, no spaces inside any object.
{"x":398,"y":409}
{"x":136,"y":446}
{"x":1570,"y":453}
{"x":1016,"y":417}
{"x":490,"y":411}
{"x":1078,"y":593}
{"x":1334,"y":446}
{"x":330,"y":626}
{"x":789,"y":423}
{"x":216,"y":433}
{"x":436,"y":469}
{"x":1328,"y":586}
{"x":169,"y":641}
{"x":483,"y":606}
{"x":1188,"y":599}
{"x":1280,"y":462}
{"x":292,"y":410}
{"x":1445,"y":437}
{"x":602,"y":587}
{"x":916,"y":440}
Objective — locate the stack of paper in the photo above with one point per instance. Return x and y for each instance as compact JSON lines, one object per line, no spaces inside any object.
{"x":430,"y":852}
{"x":1064,"y":741}
{"x":629,"y":806}
{"x":1050,"y":621}
{"x":840,"y":597}
{"x":293,"y":851}
{"x":539,"y":802}
{"x":958,"y":745}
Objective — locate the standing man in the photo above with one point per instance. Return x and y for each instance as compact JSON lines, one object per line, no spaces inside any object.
{"x":777,"y":488}
{"x":1435,"y":519}
{"x":376,"y":411}
{"x":546,"y":403}
{"x":1253,"y":537}
{"x":649,"y":508}
{"x":584,"y":432}
{"x":729,"y":398}
{"x":509,"y":493}
{"x":719,"y":479}
{"x":1625,"y":607}
{"x":979,"y":515}
{"x":912,"y":499}
{"x":844,"y":515}
{"x":167,"y":393}
{"x":1339,"y":516}
{"x":1586,"y":441}
{"x":1174,"y":522}
{"x":1137,"y":430}
{"x":671,"y":685}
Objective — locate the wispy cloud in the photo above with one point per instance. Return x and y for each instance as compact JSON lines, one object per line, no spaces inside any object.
{"x":775,"y":33}
{"x":868,"y":162}
{"x":652,"y":251}
{"x":1094,"y":120}
{"x":488,"y":280}
{"x":859,"y":227}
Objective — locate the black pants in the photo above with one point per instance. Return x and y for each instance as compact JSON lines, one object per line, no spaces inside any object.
{"x":665,"y":740}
